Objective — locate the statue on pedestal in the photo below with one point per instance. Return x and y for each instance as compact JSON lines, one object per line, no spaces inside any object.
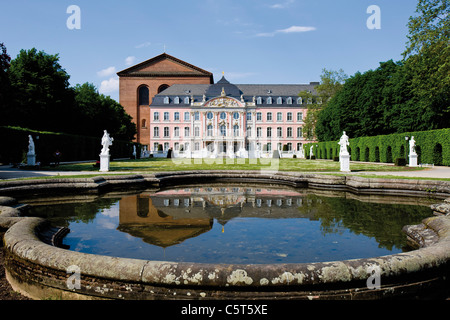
{"x":343,"y":142}
{"x":31,"y":147}
{"x":106,"y":143}
{"x":412,"y":146}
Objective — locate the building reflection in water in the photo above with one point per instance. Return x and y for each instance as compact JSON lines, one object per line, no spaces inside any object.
{"x":167,"y":218}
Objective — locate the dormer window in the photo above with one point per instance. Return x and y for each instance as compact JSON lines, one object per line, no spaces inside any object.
{"x":269,"y":100}
{"x":279,"y":100}
{"x":289,"y":100}
{"x":259,"y":100}
{"x":176,"y":100}
{"x":166,"y":100}
{"x":299,"y":100}
{"x":186,"y":100}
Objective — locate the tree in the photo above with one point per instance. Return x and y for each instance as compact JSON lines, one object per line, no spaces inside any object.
{"x":5,"y":60}
{"x":428,"y":57}
{"x":42,"y":98}
{"x":331,"y":83}
{"x":98,"y":112}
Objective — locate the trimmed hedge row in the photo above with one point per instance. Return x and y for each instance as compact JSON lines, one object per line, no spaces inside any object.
{"x":432,"y":147}
{"x":14,"y":146}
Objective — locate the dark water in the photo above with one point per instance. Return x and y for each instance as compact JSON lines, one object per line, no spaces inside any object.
{"x":234,"y":224}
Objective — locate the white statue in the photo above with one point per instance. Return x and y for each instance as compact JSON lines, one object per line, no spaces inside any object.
{"x":31,"y":148}
{"x":311,"y":151}
{"x":106,"y":143}
{"x":343,"y":142}
{"x":412,"y":146}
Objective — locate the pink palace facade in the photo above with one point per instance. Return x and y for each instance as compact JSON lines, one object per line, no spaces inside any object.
{"x":229,"y":120}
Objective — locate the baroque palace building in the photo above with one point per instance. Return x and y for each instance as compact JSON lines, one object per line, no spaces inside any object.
{"x":177,"y":106}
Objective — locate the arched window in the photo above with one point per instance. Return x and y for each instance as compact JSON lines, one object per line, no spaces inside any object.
{"x":279,"y":100}
{"x":259,"y":100}
{"x":209,"y":129}
{"x":144,"y":123}
{"x":143,"y":96}
{"x":162,"y":87}
{"x":269,"y":100}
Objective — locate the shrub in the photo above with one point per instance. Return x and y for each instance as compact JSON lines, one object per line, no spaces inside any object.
{"x":400,"y":162}
{"x":434,"y":147}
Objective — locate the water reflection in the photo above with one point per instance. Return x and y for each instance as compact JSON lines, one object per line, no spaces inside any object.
{"x":234,"y":224}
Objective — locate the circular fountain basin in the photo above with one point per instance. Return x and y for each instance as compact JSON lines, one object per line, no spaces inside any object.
{"x":36,"y":266}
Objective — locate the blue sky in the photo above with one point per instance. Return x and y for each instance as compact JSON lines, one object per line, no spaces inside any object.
{"x":252,"y":41}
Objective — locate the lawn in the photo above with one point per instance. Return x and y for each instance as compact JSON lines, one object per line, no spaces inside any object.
{"x":293,"y":165}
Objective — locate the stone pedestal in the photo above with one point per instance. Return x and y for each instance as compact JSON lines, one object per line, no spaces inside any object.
{"x":104,"y":162}
{"x":31,"y":159}
{"x":413,"y":160}
{"x":344,"y":161}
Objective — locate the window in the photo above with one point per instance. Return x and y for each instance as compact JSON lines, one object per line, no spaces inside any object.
{"x":289,"y":146}
{"x":155,"y":146}
{"x":197,"y":146}
{"x":259,"y":100}
{"x":176,"y":146}
{"x":209,"y":130}
{"x":299,"y":116}
{"x":236,"y":115}
{"x":187,"y":116}
{"x":289,"y":100}
{"x":279,"y":132}
{"x":269,"y":100}
{"x":279,"y":100}
{"x":187,"y":131}
{"x":269,"y":132}
{"x":259,"y":132}
{"x":223,"y":115}
{"x":166,"y":100}
{"x":299,"y":132}
{"x":197,"y":131}
{"x":289,"y":116}
{"x":299,"y":100}
{"x":143,"y":96}
{"x":156,"y":131}
{"x":166,"y":132}
{"x":258,"y":116}
{"x":309,"y":101}
{"x":162,"y":87}
{"x":269,"y":146}
{"x":269,"y":116}
{"x":249,"y":116}
{"x":209,"y":115}
{"x":166,"y":146}
{"x":279,"y":116}
{"x":197,"y":116}
{"x":166,"y":116}
{"x":155,"y":116}
{"x":144,"y":123}
{"x":176,"y":116}
{"x":249,"y":132}
{"x":223,"y":131}
{"x":299,"y":146}
{"x":176,"y":100}
{"x":236,"y":130}
{"x":186,"y":100}
{"x":289,"y":132}
{"x":176,"y":132}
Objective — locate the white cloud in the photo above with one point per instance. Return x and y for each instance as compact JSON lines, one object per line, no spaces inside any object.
{"x":283,"y":5}
{"x":143,"y":45}
{"x":109,"y":86}
{"x":130,"y":60}
{"x":293,"y":29}
{"x":107,"y":72}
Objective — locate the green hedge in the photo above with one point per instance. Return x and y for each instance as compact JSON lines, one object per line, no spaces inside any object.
{"x":432,"y":147}
{"x":14,"y":146}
